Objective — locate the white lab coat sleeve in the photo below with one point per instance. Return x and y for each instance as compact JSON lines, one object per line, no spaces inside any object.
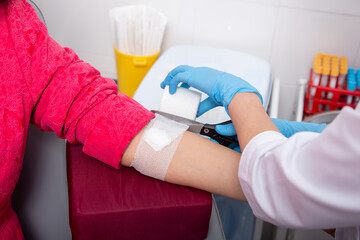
{"x":310,"y":180}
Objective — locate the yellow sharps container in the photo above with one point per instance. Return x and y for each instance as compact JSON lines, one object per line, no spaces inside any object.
{"x":131,"y":70}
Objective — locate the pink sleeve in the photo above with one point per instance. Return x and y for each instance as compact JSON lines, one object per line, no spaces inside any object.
{"x":69,"y":96}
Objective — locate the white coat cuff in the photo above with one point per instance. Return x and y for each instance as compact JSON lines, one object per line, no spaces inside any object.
{"x":251,"y":158}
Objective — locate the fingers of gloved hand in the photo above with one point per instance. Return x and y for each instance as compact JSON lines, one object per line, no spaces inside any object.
{"x":226,"y":130}
{"x":173,"y":73}
{"x":205,"y":106}
{"x":233,"y":146}
{"x":237,"y":148}
{"x":282,"y":126}
{"x":180,"y":77}
{"x":185,"y":85}
{"x":289,"y":128}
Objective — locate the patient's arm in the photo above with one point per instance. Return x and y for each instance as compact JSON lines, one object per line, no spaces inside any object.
{"x":199,"y":163}
{"x":203,"y":164}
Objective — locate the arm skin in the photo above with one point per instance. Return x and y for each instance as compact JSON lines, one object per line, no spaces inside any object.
{"x":249,"y":117}
{"x":200,"y":163}
{"x":203,"y":164}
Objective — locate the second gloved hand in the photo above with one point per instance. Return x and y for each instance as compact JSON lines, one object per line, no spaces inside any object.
{"x":219,"y":86}
{"x":287,"y":128}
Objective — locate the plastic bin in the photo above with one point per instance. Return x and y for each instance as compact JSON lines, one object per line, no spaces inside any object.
{"x":131,"y":70}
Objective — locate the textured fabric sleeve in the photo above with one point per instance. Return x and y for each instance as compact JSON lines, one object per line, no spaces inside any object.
{"x":69,"y":96}
{"x":310,"y":180}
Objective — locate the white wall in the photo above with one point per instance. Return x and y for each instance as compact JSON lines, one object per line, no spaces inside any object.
{"x":287,"y":33}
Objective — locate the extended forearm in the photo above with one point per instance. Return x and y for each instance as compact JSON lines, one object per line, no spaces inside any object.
{"x":200,"y":163}
{"x":203,"y":164}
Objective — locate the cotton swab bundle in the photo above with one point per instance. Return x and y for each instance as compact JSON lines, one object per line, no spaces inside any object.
{"x":137,"y":30}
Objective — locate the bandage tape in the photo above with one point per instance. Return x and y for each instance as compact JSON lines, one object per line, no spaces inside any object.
{"x":157,"y":146}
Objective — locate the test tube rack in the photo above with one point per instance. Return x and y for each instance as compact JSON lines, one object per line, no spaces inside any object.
{"x":318,"y":103}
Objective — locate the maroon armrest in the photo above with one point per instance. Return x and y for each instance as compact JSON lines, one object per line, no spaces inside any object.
{"x":106,"y":203}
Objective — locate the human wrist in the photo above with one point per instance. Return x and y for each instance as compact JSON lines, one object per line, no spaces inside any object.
{"x":249,"y":117}
{"x":243,"y":100}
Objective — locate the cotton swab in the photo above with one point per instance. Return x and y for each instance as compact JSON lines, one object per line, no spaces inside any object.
{"x":137,"y":30}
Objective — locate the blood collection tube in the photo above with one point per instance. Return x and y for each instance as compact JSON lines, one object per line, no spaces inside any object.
{"x":357,"y":99}
{"x":343,"y":71}
{"x":351,"y":84}
{"x":316,"y":74}
{"x":333,"y":75}
{"x":325,"y":73}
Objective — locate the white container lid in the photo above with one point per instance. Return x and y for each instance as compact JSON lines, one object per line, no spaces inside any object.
{"x":251,"y":68}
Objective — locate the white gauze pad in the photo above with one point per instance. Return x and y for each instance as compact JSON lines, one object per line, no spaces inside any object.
{"x":183,"y":103}
{"x":157,"y":146}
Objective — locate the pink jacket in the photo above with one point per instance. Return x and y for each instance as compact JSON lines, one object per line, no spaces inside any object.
{"x":44,"y":83}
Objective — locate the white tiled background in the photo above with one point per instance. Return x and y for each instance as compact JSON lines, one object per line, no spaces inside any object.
{"x":287,"y":33}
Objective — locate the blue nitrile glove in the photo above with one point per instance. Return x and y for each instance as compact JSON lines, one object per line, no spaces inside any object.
{"x":233,"y":146}
{"x":220,"y":86}
{"x":287,"y":128}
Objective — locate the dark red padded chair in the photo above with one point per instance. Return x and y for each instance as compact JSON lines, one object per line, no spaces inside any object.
{"x":106,"y":203}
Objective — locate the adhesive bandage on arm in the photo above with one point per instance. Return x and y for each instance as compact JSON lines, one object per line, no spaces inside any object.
{"x":157,"y":146}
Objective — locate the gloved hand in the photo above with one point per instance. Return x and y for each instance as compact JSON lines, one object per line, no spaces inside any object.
{"x":220,"y":86}
{"x":287,"y":128}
